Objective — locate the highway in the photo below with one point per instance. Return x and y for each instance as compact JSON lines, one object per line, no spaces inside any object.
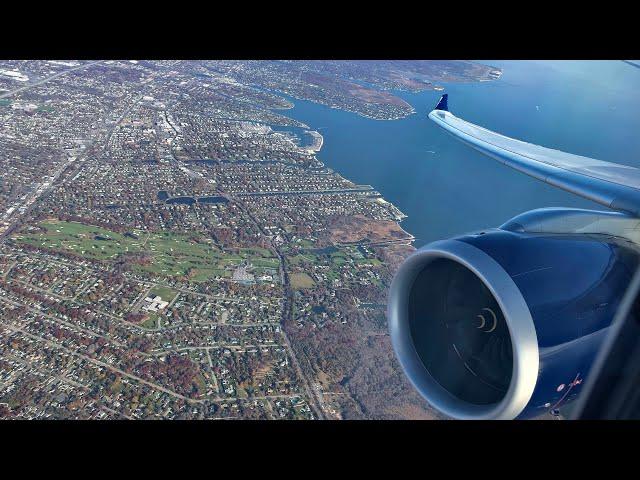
{"x":21,"y":208}
{"x":48,"y":79}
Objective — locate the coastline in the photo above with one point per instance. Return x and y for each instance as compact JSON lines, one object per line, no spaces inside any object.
{"x":318,"y":141}
{"x":337,"y":162}
{"x":394,"y":211}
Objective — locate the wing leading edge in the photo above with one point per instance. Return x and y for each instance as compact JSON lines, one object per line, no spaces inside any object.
{"x":609,"y":184}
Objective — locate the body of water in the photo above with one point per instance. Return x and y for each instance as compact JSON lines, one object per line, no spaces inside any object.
{"x":445,"y":188}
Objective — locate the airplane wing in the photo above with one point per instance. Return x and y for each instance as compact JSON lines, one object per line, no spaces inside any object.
{"x":612,"y":185}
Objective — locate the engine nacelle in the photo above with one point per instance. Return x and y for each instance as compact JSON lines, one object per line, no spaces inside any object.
{"x":506,"y":324}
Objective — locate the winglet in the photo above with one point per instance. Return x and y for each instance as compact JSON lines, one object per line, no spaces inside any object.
{"x":442,"y":104}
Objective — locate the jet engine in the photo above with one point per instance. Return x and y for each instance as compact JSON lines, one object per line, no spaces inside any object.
{"x":505,"y":323}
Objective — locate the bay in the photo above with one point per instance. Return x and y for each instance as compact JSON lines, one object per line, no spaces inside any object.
{"x":445,"y":188}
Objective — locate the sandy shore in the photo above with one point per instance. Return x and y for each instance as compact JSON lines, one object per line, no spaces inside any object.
{"x":318,"y":140}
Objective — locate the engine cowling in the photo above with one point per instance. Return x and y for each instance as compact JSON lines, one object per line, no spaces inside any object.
{"x":504,"y":324}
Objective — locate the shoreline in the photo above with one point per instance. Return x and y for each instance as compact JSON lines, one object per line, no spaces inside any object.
{"x":397,"y":214}
{"x":318,"y":141}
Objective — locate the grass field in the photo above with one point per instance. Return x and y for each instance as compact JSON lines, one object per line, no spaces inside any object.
{"x":151,"y":322}
{"x":171,"y":254}
{"x":167,"y":294}
{"x":301,"y":281}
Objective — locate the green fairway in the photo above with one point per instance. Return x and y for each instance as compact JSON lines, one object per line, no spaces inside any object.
{"x":171,"y":254}
{"x":266,"y":263}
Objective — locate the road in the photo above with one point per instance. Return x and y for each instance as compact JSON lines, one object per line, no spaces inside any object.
{"x":337,"y":191}
{"x":48,"y":79}
{"x":315,"y":401}
{"x":100,"y":363}
{"x":22,"y":208}
{"x":44,"y":187}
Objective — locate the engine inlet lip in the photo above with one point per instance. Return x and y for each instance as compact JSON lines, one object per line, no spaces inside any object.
{"x":526,"y":357}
